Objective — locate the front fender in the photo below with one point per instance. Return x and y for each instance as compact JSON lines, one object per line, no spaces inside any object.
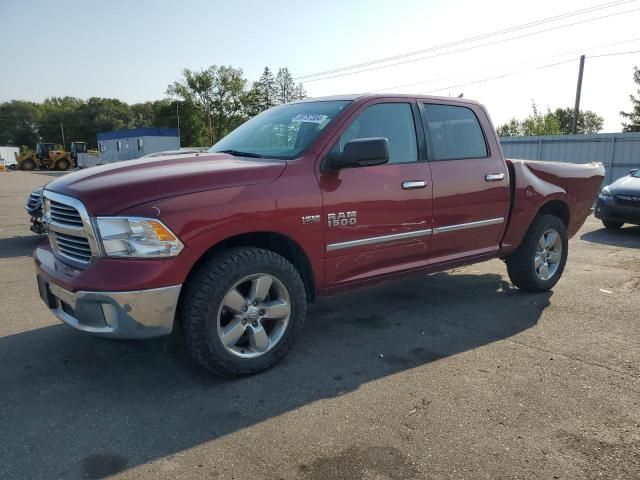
{"x":204,"y":219}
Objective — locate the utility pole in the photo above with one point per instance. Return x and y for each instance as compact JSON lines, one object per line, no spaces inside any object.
{"x":178,"y":115}
{"x":576,"y":109}
{"x":63,"y":142}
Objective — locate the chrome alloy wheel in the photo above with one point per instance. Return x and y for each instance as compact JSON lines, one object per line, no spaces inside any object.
{"x":254,"y":315}
{"x":548,"y":254}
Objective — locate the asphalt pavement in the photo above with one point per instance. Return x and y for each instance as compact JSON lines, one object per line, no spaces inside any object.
{"x":452,"y":375}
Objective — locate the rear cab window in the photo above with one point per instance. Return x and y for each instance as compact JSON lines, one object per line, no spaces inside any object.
{"x":455,"y":133}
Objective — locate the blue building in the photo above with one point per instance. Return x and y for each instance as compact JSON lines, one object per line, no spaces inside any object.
{"x":136,"y":142}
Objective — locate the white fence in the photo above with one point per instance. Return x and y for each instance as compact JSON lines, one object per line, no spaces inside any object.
{"x":619,"y":152}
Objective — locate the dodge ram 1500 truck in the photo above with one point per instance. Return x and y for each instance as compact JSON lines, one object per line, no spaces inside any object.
{"x":304,"y":200}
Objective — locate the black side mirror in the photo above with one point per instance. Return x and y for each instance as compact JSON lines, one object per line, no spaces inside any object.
{"x":633,"y":170}
{"x":363,"y":152}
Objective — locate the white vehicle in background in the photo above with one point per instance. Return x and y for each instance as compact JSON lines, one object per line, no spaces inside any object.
{"x":8,"y":156}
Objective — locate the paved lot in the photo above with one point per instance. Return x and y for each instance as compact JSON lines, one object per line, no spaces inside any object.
{"x":454,"y":375}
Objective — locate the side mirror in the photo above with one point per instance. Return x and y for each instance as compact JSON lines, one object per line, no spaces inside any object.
{"x":363,"y":152}
{"x":633,"y":170}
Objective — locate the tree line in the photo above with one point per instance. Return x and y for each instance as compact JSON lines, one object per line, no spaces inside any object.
{"x":205,"y":105}
{"x":559,"y":121}
{"x":556,"y":122}
{"x":208,"y":104}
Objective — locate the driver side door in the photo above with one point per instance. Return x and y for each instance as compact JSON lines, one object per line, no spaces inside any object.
{"x":378,"y":218}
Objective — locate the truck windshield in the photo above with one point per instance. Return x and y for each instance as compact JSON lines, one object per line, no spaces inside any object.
{"x":282,"y":132}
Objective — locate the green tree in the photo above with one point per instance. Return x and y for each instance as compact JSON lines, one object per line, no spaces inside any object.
{"x":540,"y":123}
{"x":510,"y":129}
{"x":222,"y":96}
{"x":632,"y":123}
{"x":197,"y":88}
{"x":58,"y":113}
{"x":299,"y":92}
{"x":18,"y":123}
{"x":285,"y":86}
{"x":588,"y":121}
{"x":254,"y":101}
{"x":557,"y":122}
{"x":229,"y":101}
{"x":143,"y":115}
{"x":266,"y":89}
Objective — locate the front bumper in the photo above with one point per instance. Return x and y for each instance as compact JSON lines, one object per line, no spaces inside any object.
{"x":133,"y":314}
{"x":608,"y":209}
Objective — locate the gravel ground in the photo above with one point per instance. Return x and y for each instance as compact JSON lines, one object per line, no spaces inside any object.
{"x":453,"y":375}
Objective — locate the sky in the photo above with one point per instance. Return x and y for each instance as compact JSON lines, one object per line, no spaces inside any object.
{"x":132,"y":50}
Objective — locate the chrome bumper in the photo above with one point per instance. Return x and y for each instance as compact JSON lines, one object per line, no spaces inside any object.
{"x":134,"y":314}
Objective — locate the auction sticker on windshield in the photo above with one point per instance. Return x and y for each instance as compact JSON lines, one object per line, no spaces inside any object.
{"x":309,"y":118}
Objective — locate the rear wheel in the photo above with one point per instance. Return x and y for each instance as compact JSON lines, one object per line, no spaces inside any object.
{"x":611,"y":225}
{"x":62,"y":165}
{"x":538,"y":263}
{"x":242,"y":310}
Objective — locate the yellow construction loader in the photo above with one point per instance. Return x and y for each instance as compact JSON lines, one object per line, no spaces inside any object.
{"x":45,"y":157}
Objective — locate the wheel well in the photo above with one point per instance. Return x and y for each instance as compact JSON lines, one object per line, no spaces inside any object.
{"x":559,"y":209}
{"x":276,"y":242}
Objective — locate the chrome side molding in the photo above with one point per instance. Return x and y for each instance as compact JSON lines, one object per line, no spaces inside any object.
{"x":384,"y":238}
{"x":465,"y":226}
{"x":418,"y":233}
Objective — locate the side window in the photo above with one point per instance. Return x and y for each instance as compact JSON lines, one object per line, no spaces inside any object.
{"x":393,"y":121}
{"x":455,"y":132}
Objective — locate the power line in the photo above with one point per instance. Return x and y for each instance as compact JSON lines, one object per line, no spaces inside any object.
{"x":473,"y":47}
{"x":614,"y":53}
{"x":542,"y":67}
{"x":470,"y":39}
{"x":508,"y":66}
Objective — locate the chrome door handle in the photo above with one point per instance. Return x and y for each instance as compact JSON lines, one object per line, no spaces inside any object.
{"x":494,"y":177}
{"x":408,"y":185}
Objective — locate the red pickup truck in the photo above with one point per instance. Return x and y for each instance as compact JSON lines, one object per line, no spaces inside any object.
{"x":304,"y":200}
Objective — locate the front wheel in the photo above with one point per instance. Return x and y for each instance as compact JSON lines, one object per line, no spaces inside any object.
{"x":538,"y":263}
{"x":242,"y":310}
{"x":28,"y":165}
{"x":611,"y":225}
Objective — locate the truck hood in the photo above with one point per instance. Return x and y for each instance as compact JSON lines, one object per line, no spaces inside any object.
{"x":110,"y":189}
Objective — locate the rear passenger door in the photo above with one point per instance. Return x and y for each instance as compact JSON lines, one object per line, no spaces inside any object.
{"x":470,"y":182}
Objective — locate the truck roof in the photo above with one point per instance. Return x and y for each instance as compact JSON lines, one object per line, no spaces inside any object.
{"x":368,"y":96}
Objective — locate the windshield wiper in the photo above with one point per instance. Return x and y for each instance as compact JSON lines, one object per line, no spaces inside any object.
{"x":238,"y":153}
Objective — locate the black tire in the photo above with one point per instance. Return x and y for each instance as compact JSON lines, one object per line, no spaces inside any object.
{"x":28,"y":165}
{"x":611,"y":225}
{"x":521,"y":264}
{"x":63,"y":165}
{"x":202,"y":297}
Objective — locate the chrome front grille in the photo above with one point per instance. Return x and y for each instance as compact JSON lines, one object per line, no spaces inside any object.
{"x":628,"y":200}
{"x":65,"y":214}
{"x":69,"y":228}
{"x":74,"y":247}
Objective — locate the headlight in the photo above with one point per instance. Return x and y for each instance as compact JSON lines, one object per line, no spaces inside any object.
{"x":605,"y":192}
{"x":137,"y":237}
